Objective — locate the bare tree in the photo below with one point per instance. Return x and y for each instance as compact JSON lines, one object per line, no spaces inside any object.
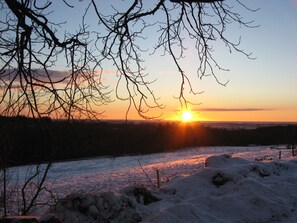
{"x":30,"y":48}
{"x":31,"y":44}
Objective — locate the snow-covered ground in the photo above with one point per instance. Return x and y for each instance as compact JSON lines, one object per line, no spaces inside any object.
{"x":197,"y":185}
{"x":112,"y":174}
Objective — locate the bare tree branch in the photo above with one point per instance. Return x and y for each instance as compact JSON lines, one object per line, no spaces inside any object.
{"x":31,"y":45}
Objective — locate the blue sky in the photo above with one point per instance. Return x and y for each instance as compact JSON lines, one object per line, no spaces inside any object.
{"x":264,"y":89}
{"x":268,"y":83}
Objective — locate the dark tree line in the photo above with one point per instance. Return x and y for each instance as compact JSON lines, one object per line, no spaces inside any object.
{"x":74,"y":140}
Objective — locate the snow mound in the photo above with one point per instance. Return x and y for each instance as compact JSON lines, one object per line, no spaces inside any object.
{"x":105,"y":207}
{"x":231,"y":190}
{"x":227,"y":190}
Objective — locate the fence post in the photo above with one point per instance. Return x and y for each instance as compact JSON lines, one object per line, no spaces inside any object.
{"x":279,"y":155}
{"x":158,"y":178}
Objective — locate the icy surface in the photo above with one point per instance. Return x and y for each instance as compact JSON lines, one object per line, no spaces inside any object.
{"x":197,"y":185}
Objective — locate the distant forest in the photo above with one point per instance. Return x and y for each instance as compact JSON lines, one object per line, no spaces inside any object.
{"x":25,"y":140}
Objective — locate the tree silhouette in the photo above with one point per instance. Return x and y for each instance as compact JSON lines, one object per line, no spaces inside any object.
{"x":50,"y":69}
{"x":32,"y":43}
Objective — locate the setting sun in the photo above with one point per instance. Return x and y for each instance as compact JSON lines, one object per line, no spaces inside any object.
{"x":186,"y":116}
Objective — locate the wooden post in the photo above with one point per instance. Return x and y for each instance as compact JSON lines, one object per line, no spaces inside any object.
{"x":280,"y":155}
{"x":158,"y":179}
{"x":293,"y":150}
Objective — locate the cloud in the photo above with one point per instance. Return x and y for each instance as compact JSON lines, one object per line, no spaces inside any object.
{"x":112,"y":72}
{"x":55,"y":75}
{"x":233,"y":109}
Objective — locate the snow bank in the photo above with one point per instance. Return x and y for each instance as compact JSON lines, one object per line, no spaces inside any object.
{"x":228,"y":189}
{"x":105,"y":207}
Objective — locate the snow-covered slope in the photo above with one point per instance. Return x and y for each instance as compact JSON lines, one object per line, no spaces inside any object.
{"x":228,"y":189}
{"x":222,"y":184}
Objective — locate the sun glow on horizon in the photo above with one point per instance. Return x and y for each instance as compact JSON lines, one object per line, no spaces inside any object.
{"x":186,"y":116}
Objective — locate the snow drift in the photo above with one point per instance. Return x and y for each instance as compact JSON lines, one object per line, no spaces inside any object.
{"x":227,"y":189}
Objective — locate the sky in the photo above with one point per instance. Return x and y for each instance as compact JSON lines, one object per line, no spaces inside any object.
{"x":260,"y":90}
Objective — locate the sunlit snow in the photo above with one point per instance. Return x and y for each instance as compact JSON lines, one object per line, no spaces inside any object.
{"x":251,"y":190}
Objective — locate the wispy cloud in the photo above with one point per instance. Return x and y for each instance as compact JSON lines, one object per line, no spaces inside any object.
{"x":47,"y":76}
{"x":233,"y":109}
{"x":109,"y":72}
{"x":54,"y":75}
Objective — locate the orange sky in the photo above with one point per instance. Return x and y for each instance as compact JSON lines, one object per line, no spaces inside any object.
{"x":252,"y":115}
